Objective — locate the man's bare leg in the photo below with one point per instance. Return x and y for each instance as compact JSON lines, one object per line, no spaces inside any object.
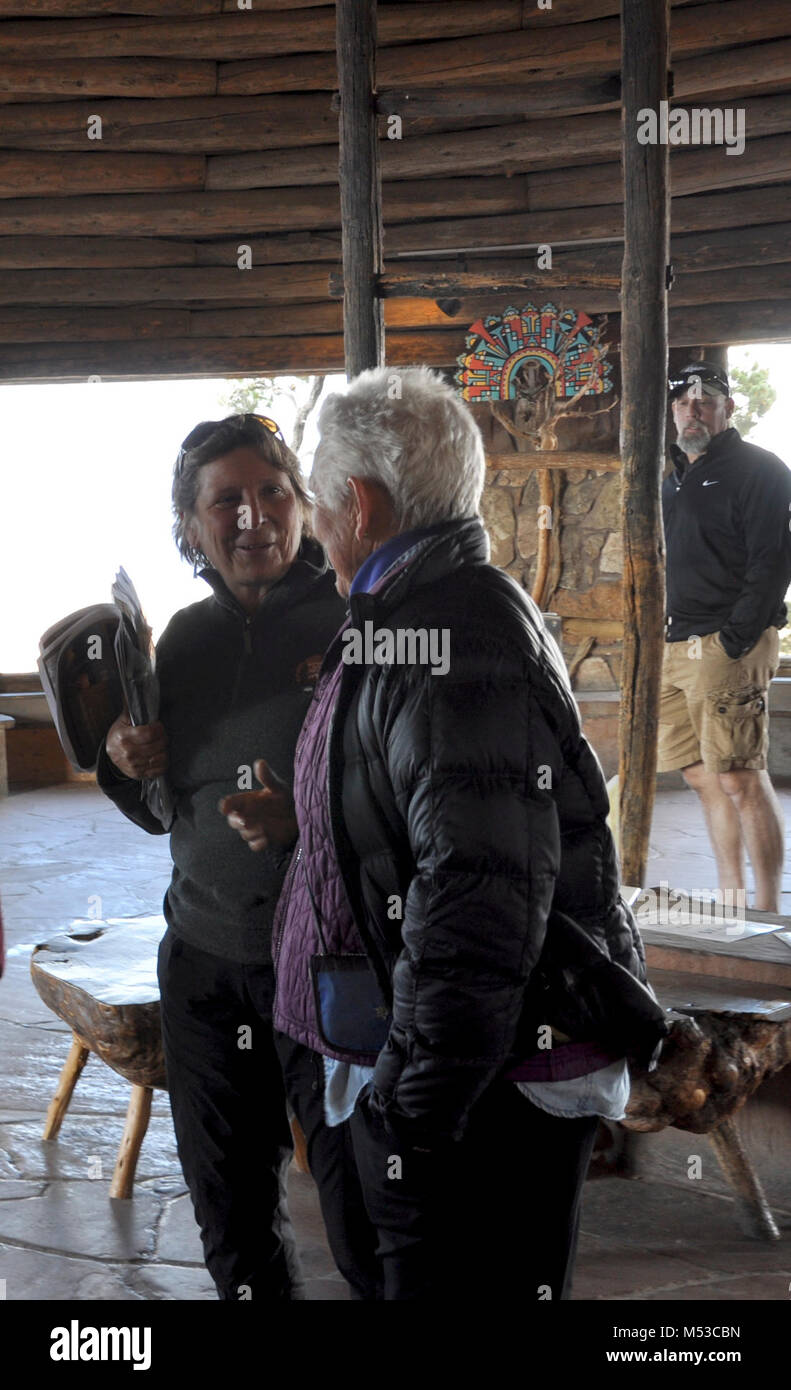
{"x":723,"y":824}
{"x":754,"y":800}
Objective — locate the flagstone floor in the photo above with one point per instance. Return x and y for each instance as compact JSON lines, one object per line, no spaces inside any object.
{"x":62,"y":1238}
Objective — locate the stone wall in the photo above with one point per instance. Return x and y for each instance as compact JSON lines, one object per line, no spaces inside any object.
{"x":586,"y":517}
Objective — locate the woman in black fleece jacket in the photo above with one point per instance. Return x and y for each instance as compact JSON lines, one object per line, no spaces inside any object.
{"x":236,"y":673}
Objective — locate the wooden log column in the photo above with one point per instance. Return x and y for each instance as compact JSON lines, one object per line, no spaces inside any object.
{"x":360,"y":186}
{"x":644,"y":347}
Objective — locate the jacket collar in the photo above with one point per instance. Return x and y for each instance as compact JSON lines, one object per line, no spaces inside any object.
{"x":310,"y":564}
{"x":376,"y":568}
{"x":448,"y":547}
{"x":720,"y":446}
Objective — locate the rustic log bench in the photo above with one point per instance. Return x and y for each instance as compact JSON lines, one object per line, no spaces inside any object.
{"x":730,"y":994}
{"x":727,"y":1035}
{"x":102,"y":980}
{"x":724,"y":1042}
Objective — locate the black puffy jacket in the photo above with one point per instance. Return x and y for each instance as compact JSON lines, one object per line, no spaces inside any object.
{"x":475,"y":799}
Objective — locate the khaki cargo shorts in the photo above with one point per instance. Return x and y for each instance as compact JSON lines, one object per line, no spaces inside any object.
{"x":713,"y":709}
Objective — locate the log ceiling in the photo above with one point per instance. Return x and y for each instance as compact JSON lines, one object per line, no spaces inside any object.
{"x":119,"y":255}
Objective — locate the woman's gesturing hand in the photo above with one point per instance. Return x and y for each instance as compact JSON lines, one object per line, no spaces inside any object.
{"x":263,"y":818}
{"x":139,"y":751}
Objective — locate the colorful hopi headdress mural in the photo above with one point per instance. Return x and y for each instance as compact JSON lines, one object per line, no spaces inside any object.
{"x":501,"y":348}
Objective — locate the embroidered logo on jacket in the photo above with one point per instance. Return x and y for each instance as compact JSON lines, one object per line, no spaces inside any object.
{"x":307,"y":672}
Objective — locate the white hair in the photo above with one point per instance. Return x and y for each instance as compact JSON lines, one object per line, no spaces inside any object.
{"x":409,"y":431}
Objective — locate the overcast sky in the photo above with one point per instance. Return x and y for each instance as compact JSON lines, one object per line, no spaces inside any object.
{"x":86,"y":488}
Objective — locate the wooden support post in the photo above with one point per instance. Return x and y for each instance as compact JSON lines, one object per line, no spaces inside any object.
{"x":644,"y":346}
{"x":360,"y":184}
{"x":78,"y":1056}
{"x":546,"y":497}
{"x":137,"y":1117}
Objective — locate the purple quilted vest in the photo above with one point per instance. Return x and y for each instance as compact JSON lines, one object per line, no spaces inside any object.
{"x":295,"y":938}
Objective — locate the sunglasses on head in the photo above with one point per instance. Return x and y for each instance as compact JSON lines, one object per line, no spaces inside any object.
{"x":678,"y":385}
{"x":204,"y":431}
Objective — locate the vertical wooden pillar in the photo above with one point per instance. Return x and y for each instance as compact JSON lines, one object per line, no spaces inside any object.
{"x":360,"y":182}
{"x":645,"y":54}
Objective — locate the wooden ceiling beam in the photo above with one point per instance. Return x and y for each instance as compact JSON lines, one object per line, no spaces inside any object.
{"x":723,"y":247}
{"x":703,"y":240}
{"x":32,"y":173}
{"x":595,"y":266}
{"x":535,"y":149}
{"x":244,"y":34}
{"x":77,"y":328}
{"x":734,"y":73}
{"x":571,"y":12}
{"x":82,"y":9}
{"x":592,"y":47}
{"x":276,"y":285}
{"x":700,"y":290}
{"x":184,"y":357}
{"x":117,"y":59}
{"x":556,"y":145}
{"x":36,"y":325}
{"x":91,"y":325}
{"x":222,"y":307}
{"x":500,"y":151}
{"x":134,"y":218}
{"x":121,"y":77}
{"x":245,"y":214}
{"x":603,"y":222}
{"x":755,"y":321}
{"x":702,"y":170}
{"x":552,"y":53}
{"x":180,"y":125}
{"x":745,"y":70}
{"x":211,"y":124}
{"x":429,"y":280}
{"x":519,"y":98}
{"x":111,"y":252}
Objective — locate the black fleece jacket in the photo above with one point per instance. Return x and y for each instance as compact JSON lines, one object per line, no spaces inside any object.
{"x":728,"y":547}
{"x":234,"y":688}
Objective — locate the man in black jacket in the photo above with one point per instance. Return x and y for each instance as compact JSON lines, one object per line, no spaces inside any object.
{"x":727,"y":508}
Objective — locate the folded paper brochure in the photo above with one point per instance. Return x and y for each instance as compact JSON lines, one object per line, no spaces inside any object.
{"x":94,"y":663}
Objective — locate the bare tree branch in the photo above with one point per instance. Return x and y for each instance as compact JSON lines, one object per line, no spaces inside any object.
{"x":303,"y":411}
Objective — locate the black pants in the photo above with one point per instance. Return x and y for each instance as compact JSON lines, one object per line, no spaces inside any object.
{"x":350,"y":1234}
{"x":229,"y":1113}
{"x":494,"y":1217}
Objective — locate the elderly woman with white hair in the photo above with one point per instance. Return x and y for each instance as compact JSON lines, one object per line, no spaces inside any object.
{"x":458,"y":981}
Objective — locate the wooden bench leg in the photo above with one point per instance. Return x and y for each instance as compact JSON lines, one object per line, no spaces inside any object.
{"x":78,"y":1056}
{"x":137,"y":1117}
{"x":751,"y":1203}
{"x":300,"y":1147}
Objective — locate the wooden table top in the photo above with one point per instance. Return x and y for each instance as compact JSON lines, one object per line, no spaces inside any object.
{"x":114,"y":962}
